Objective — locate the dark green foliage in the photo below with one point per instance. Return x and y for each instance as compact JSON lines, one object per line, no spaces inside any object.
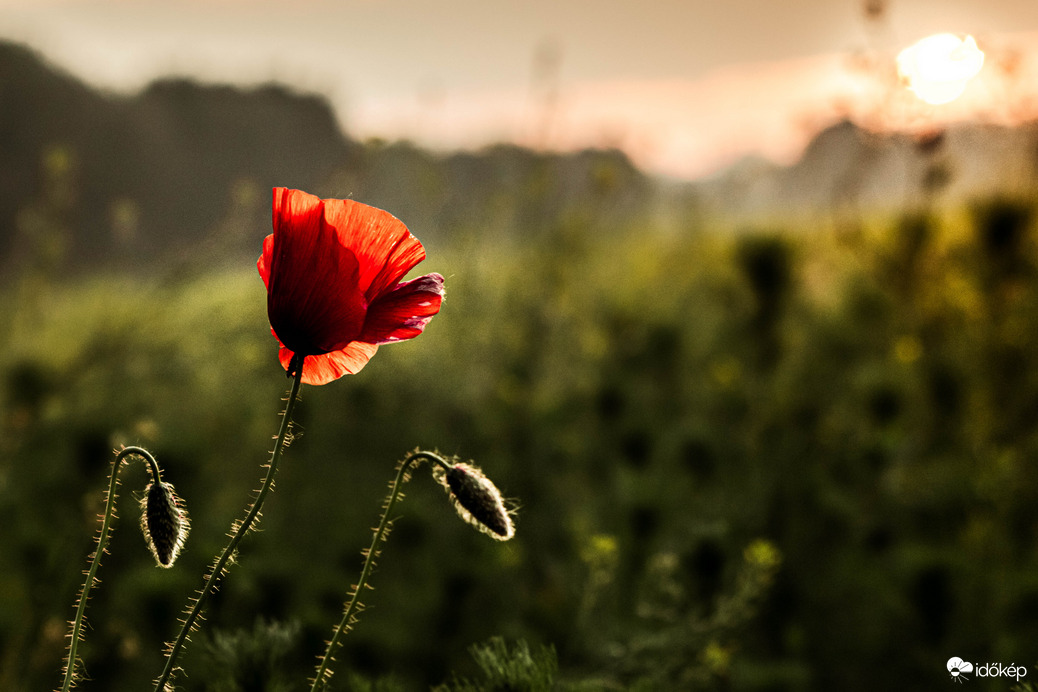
{"x":509,"y":669}
{"x":864,"y":404}
{"x":1025,"y":686}
{"x":252,"y":660}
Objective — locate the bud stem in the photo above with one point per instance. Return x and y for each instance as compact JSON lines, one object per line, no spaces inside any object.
{"x":95,"y":561}
{"x":324,"y":673}
{"x":239,"y":530}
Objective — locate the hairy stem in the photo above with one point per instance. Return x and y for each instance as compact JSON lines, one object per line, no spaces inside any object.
{"x":381,"y":534}
{"x":76,"y":634}
{"x":238,"y":531}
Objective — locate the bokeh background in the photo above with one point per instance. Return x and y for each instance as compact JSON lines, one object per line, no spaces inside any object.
{"x":747,"y":331}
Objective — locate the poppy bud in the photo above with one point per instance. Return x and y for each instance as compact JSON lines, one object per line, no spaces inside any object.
{"x":163,"y":522}
{"x":477,"y":500}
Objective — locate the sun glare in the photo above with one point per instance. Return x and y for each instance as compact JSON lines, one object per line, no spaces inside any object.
{"x":938,"y":67}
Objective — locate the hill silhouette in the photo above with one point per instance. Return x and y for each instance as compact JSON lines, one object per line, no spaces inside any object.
{"x":178,"y":175}
{"x":846,"y":169}
{"x":181,"y":170}
{"x":128,"y":178}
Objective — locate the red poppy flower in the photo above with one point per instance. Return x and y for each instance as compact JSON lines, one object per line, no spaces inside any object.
{"x":331,"y":268}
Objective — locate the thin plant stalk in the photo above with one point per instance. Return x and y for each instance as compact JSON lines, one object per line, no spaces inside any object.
{"x":353,"y":606}
{"x":107,"y":521}
{"x":238,"y":531}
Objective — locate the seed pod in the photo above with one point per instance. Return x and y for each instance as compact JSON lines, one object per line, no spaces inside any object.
{"x":164,"y":523}
{"x":477,"y":500}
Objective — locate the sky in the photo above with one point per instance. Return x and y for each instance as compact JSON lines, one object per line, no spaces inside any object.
{"x":685,"y":87}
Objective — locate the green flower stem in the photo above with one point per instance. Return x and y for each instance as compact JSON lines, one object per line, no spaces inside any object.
{"x":239,"y":530}
{"x":95,"y":560}
{"x":349,"y":617}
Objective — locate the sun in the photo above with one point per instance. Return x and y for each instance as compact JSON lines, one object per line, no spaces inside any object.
{"x":937,"y":68}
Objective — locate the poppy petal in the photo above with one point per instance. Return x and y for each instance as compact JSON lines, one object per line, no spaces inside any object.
{"x":327,"y":367}
{"x":384,"y":247}
{"x":263,"y":263}
{"x":313,"y":300}
{"x":403,"y":312}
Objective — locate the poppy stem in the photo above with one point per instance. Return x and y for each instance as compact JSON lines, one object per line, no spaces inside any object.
{"x":108,"y":519}
{"x":381,"y":534}
{"x":238,"y":531}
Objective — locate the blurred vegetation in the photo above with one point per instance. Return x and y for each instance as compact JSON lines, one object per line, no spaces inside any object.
{"x":783,"y":459}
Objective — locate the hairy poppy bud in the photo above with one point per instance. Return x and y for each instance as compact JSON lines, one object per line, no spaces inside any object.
{"x":163,"y":522}
{"x":477,"y":500}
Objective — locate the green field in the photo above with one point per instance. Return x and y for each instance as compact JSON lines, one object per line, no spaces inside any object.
{"x":793,"y":459}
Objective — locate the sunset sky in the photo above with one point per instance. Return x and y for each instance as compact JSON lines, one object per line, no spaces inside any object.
{"x":686,"y":87}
